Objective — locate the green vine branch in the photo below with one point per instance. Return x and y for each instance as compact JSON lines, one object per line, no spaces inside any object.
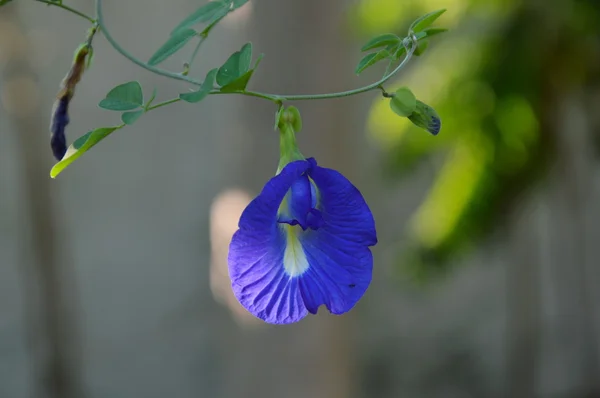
{"x":161,"y":104}
{"x":277,"y":98}
{"x":230,"y":78}
{"x":188,"y":65}
{"x":67,"y":8}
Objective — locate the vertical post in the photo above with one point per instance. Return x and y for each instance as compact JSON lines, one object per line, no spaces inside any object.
{"x":45,"y":280}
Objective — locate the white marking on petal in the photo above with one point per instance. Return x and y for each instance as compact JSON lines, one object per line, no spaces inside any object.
{"x":294,"y":258}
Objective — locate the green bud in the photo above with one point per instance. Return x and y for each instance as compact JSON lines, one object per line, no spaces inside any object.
{"x":290,"y":117}
{"x":426,"y":118}
{"x":289,"y":124}
{"x":403,"y":102}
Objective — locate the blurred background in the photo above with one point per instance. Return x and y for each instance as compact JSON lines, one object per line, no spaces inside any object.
{"x":113,"y":278}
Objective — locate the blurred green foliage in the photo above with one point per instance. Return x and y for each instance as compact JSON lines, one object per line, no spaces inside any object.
{"x":496,"y":80}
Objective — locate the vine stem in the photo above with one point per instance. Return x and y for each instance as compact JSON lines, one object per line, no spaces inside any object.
{"x":277,"y":98}
{"x":188,"y":65}
{"x":304,"y":97}
{"x":138,"y":62}
{"x":167,"y":102}
{"x":67,"y":8}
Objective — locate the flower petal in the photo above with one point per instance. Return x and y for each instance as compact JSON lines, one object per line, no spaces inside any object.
{"x":339,"y":272}
{"x":300,"y":201}
{"x":256,"y":255}
{"x":279,"y":272}
{"x":341,"y":263}
{"x":262,"y":211}
{"x":344,"y":210}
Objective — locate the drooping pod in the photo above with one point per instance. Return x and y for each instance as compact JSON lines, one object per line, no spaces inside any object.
{"x":60,"y":109}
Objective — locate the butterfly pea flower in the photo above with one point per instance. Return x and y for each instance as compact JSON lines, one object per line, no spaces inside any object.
{"x":303,"y":242}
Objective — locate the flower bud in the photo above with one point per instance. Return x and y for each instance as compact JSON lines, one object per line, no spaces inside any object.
{"x":289,"y":124}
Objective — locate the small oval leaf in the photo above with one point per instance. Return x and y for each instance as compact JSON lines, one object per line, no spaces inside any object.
{"x":131,"y":117}
{"x":404,"y":102}
{"x":235,"y":66}
{"x":175,"y":43}
{"x":215,"y":19}
{"x":371,"y":59}
{"x":381,"y":41}
{"x":124,"y":97}
{"x":80,"y":146}
{"x":397,"y":51}
{"x":426,"y":20}
{"x":238,"y":84}
{"x":245,"y":58}
{"x":433,"y":31}
{"x":202,"y":14}
{"x":207,"y":86}
{"x":421,"y":47}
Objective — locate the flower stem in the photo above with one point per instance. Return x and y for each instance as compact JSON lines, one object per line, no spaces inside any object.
{"x":64,"y":7}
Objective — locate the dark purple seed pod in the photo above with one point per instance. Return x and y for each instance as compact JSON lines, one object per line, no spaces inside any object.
{"x":60,"y":110}
{"x":60,"y":119}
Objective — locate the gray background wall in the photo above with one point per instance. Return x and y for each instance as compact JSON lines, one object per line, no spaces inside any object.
{"x":124,"y":235}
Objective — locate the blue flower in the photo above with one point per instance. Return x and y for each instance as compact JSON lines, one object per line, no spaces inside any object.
{"x":303,"y":242}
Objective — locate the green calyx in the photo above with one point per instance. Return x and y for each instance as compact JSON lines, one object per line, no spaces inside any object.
{"x":288,"y":123}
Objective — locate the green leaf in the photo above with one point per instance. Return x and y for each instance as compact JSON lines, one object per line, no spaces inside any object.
{"x":238,"y":84}
{"x":396,"y":51}
{"x":215,"y":19}
{"x":427,"y":33}
{"x":245,"y":57}
{"x":403,"y":102}
{"x":3,"y":2}
{"x":371,"y":59}
{"x":204,"y":90}
{"x":238,"y":3}
{"x":124,"y":97}
{"x":202,"y":14}
{"x":235,"y":66}
{"x":381,"y":41}
{"x":80,"y":146}
{"x":423,"y":22}
{"x":241,"y":82}
{"x":421,"y":47}
{"x":175,"y":43}
{"x":230,"y":70}
{"x":131,"y":117}
{"x":426,"y":118}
